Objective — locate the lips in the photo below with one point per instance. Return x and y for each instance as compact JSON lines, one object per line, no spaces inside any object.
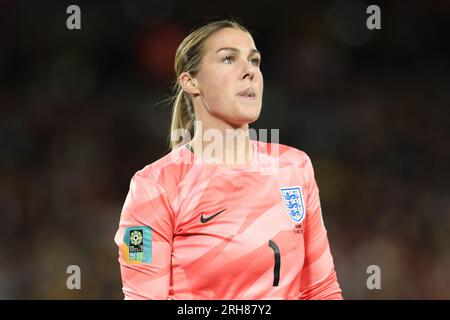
{"x":248,"y":93}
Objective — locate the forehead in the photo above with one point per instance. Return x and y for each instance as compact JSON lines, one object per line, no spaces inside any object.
{"x":230,"y":37}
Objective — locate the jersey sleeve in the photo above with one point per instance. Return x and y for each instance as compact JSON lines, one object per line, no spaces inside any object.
{"x":144,"y":240}
{"x":318,"y":280}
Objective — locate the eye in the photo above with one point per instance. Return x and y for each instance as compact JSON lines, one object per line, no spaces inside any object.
{"x":228,"y":59}
{"x":256,"y":61}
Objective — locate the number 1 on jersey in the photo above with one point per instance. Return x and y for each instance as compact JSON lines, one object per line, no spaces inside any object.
{"x":276,"y":268}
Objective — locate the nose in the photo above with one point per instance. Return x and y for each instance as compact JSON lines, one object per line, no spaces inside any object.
{"x":249,"y":75}
{"x":249,"y":71}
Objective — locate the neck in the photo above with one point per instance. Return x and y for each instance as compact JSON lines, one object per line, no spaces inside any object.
{"x":222,"y":144}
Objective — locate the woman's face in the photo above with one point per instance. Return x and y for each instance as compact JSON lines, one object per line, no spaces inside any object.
{"x":230,"y":81}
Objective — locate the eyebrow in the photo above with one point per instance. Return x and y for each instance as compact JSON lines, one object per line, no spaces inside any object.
{"x":236,"y":50}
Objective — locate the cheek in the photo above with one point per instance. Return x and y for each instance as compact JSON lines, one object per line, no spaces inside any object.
{"x":220,"y":86}
{"x":227,"y":79}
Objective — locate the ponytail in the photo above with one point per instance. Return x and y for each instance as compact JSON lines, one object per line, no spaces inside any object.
{"x":183,"y":116}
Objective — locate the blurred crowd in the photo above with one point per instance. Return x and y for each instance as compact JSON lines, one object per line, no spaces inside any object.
{"x":81,"y":111}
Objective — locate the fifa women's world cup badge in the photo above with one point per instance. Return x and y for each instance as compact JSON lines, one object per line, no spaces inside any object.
{"x":138,"y":244}
{"x":136,"y":241}
{"x":293,"y":202}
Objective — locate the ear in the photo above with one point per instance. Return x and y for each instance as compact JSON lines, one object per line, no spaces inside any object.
{"x":189,"y":84}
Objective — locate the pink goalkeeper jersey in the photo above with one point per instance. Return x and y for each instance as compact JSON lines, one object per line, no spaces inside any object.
{"x":191,"y":230}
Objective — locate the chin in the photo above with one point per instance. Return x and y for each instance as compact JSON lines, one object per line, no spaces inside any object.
{"x":248,"y":118}
{"x":253,"y":114}
{"x":244,"y":114}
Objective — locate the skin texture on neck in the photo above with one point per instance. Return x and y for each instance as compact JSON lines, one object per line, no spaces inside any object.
{"x":234,"y":149}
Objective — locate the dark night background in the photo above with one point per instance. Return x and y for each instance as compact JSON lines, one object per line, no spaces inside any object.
{"x":82,"y":110}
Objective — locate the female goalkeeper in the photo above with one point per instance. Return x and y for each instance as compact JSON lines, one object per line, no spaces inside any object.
{"x":215,"y":219}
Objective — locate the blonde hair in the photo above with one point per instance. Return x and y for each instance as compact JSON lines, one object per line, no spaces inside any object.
{"x":187,"y":59}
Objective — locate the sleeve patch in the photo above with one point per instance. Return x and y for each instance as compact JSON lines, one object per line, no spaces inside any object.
{"x":137,"y":245}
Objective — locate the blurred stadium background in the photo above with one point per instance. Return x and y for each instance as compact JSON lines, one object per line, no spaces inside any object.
{"x":80,"y":112}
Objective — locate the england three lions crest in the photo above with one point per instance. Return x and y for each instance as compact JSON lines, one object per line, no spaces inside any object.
{"x":293,"y":202}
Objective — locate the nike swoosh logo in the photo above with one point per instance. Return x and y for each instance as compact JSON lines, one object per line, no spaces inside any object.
{"x":206,"y":219}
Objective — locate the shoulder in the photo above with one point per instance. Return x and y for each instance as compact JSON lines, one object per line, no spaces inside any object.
{"x":164,"y":172}
{"x":286,"y":155}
